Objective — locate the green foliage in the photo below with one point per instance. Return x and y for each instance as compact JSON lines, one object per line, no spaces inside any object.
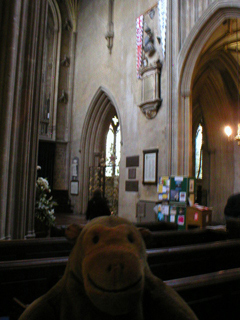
{"x":44,"y":209}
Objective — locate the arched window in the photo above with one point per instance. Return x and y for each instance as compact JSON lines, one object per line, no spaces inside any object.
{"x":113,"y":145}
{"x":198,"y":152}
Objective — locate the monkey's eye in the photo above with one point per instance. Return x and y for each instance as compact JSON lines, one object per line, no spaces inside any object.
{"x":95,"y":239}
{"x":130,"y":238}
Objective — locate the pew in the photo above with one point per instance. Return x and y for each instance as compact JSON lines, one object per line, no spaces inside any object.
{"x":31,"y":267}
{"x":160,"y":239}
{"x":34,"y":248}
{"x":212,"y":296}
{"x":60,"y":246}
{"x":233,"y":227}
{"x":28,"y":279}
{"x":182,"y":261}
{"x":157,"y":226}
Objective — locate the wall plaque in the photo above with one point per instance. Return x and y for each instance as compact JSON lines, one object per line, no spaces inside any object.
{"x":131,"y":186}
{"x":132,"y":161}
{"x":132,"y":173}
{"x":150,"y":165}
{"x":74,"y":188}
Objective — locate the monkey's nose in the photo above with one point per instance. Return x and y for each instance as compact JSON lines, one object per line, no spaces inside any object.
{"x":115,"y":267}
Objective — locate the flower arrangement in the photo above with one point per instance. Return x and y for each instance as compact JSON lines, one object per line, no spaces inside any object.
{"x":44,"y":209}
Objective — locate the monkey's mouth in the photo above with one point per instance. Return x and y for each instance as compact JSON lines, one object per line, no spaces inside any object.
{"x":114,"y":290}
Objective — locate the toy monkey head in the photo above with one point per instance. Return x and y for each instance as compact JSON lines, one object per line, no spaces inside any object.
{"x":109,"y":258}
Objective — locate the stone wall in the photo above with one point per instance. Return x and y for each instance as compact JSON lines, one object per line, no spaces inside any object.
{"x":171,"y":130}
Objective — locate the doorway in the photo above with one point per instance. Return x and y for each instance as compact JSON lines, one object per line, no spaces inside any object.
{"x":46,"y":155}
{"x":100,"y":164}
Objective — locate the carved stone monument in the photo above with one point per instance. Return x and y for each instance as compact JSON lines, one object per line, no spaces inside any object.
{"x":151,"y":66}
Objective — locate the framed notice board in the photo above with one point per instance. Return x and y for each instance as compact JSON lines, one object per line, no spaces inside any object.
{"x":150,"y":165}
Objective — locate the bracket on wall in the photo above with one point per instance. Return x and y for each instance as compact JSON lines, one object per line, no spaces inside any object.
{"x":63,"y":98}
{"x":110,"y":33}
{"x":67,"y":25}
{"x":151,"y":90}
{"x":65,"y":61}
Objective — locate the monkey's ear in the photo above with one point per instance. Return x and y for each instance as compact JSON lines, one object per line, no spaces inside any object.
{"x":146,"y":235}
{"x":73,"y":231}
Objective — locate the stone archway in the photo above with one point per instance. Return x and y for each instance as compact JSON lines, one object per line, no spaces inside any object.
{"x":190,"y":68}
{"x":100,"y":112}
{"x":210,"y":20}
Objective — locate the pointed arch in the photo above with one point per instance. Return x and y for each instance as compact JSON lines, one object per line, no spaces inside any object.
{"x":100,"y":112}
{"x":207,"y":74}
{"x":214,"y":15}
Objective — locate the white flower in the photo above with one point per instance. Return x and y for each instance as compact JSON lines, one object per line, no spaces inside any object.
{"x":44,"y":204}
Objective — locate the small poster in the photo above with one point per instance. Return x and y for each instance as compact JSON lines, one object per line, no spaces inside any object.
{"x":160,"y":188}
{"x":174,"y":195}
{"x":173,"y":210}
{"x":182,"y":196}
{"x":178,"y":179}
{"x":163,"y":188}
{"x":191,"y":185}
{"x":181,"y":220}
{"x":165,"y":209}
{"x":161,"y":217}
{"x":74,"y":187}
{"x":165,"y":196}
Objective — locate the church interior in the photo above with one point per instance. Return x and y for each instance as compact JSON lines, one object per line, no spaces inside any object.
{"x":139,"y":99}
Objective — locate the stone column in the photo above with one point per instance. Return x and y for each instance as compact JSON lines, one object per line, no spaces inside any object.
{"x":185,"y":135}
{"x":23,"y":30}
{"x":9,"y":46}
{"x":172,"y":51}
{"x":38,"y":11}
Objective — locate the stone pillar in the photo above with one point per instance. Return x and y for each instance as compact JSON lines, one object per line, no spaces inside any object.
{"x":9,"y":47}
{"x":172,"y":52}
{"x":185,"y":135}
{"x":22,"y":30}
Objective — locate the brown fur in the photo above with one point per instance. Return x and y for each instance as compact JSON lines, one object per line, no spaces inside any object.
{"x":107,"y":277}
